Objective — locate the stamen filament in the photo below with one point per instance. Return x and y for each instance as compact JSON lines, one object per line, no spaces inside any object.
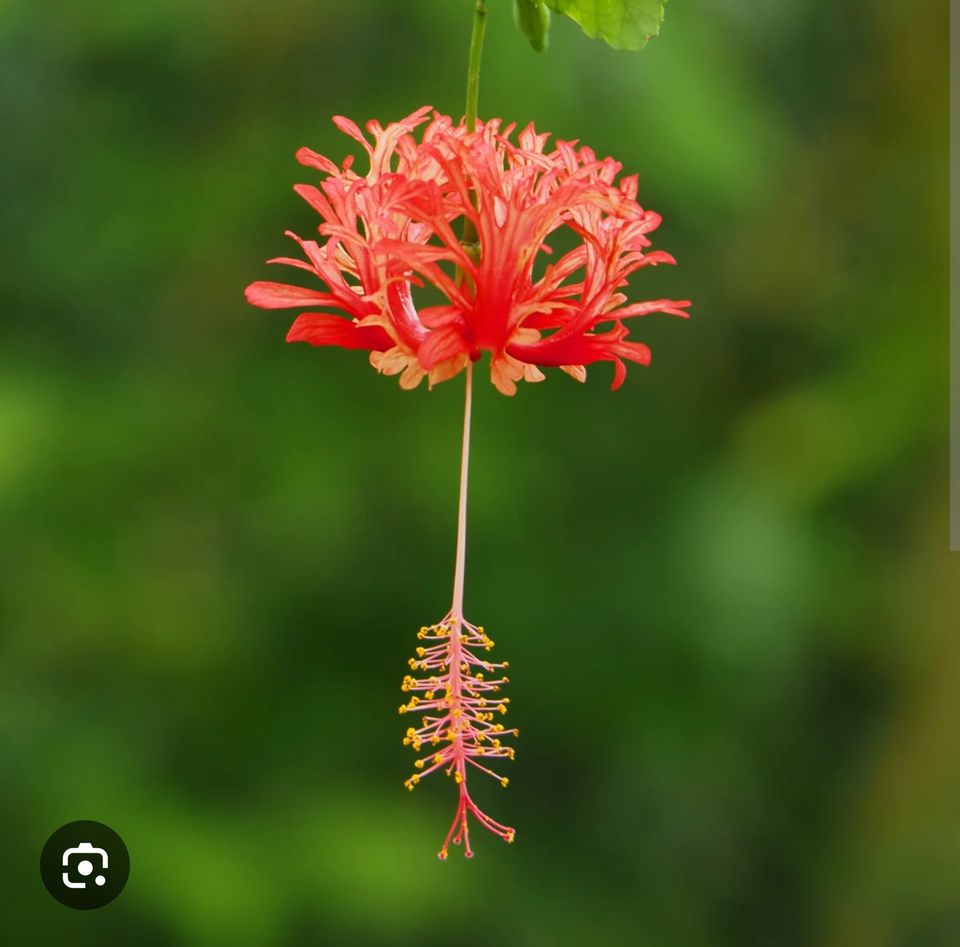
{"x":458,"y":688}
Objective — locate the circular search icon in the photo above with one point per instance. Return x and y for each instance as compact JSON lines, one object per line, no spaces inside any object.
{"x":84,"y":864}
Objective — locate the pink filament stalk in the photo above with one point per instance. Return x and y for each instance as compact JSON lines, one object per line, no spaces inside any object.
{"x":460,"y":723}
{"x":456,"y":609}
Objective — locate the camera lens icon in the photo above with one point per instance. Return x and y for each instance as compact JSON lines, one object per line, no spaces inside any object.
{"x":84,"y":866}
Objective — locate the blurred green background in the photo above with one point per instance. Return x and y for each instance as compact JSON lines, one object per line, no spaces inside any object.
{"x":724,"y":590}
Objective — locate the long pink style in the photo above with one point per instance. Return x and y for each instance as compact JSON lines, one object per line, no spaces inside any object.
{"x":464,"y":727}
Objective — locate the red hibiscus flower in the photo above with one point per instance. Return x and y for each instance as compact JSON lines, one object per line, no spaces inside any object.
{"x":398,"y":227}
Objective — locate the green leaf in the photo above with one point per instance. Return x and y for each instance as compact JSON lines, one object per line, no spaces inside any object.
{"x":624,"y":24}
{"x":533,"y":19}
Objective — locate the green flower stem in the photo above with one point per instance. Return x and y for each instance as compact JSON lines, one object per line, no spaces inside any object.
{"x":469,"y":234}
{"x":473,"y":68}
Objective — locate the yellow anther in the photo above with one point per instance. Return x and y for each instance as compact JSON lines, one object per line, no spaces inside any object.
{"x":402,"y":709}
{"x":479,"y":675}
{"x":438,"y":758}
{"x":504,"y":782}
{"x":458,"y":777}
{"x":429,"y":695}
{"x":511,"y":835}
{"x":421,"y":652}
{"x":496,"y":743}
{"x":501,"y":707}
{"x":506,"y":664}
{"x":418,"y":764}
{"x":498,"y":728}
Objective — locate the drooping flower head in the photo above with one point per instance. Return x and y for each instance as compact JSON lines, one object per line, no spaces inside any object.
{"x":399,"y":226}
{"x":469,"y":213}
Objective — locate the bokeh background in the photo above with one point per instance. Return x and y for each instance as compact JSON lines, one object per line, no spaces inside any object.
{"x":724,"y":591}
